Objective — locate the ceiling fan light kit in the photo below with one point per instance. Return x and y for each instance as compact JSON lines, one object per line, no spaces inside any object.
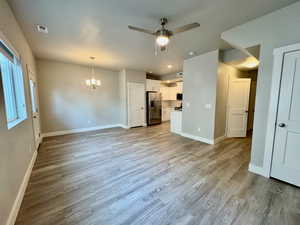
{"x":163,"y":35}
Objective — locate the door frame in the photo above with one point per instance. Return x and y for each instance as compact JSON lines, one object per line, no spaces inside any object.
{"x":228,"y":105}
{"x":278,"y":54}
{"x":128,"y":103}
{"x":31,"y":76}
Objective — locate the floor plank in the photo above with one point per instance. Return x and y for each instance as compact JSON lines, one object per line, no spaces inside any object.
{"x":150,"y":176}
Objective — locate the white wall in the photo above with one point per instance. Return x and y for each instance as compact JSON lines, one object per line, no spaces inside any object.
{"x":199,"y":87}
{"x":67,"y":103}
{"x":17,"y":144}
{"x":276,"y":29}
{"x":224,"y":73}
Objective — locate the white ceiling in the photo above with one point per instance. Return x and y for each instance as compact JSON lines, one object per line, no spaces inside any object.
{"x":82,"y":28}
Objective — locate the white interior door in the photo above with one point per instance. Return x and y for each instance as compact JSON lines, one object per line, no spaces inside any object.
{"x":136,"y":104}
{"x":34,"y":108}
{"x":237,"y":108}
{"x":286,"y":155}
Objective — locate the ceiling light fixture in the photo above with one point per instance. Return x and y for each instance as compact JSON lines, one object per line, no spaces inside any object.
{"x":170,"y":66}
{"x":162,"y":40}
{"x":191,"y":53}
{"x":252,"y":64}
{"x":42,"y":29}
{"x":163,"y":35}
{"x":93,"y":83}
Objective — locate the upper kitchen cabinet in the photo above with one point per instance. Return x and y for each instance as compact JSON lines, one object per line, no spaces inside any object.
{"x":152,"y":85}
{"x":169,"y":93}
{"x":180,"y":87}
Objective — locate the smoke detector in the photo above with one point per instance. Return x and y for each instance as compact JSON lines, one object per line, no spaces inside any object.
{"x":42,"y":29}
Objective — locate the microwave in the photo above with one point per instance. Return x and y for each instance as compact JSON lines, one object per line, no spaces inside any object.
{"x":179,"y":97}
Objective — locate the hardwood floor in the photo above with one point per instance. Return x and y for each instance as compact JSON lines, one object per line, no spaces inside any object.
{"x":146,"y":176}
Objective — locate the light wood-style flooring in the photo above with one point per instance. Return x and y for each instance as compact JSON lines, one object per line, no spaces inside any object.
{"x":148,"y":176}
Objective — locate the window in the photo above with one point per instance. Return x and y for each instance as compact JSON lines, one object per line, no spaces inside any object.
{"x":13,"y":86}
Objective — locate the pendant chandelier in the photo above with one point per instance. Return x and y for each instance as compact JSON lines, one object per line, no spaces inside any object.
{"x":93,"y":83}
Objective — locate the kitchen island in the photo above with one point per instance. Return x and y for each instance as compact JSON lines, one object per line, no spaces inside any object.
{"x":176,"y":121}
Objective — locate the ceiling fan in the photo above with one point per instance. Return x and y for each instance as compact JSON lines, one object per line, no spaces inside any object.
{"x":163,"y":35}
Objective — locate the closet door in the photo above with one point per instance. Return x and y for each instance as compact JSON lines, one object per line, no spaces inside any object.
{"x":286,"y":155}
{"x":136,"y":104}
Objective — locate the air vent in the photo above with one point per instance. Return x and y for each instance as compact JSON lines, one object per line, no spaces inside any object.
{"x":42,"y":29}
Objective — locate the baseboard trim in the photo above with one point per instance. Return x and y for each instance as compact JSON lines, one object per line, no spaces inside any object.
{"x":257,"y":170}
{"x":205,"y":140}
{"x":219,"y":139}
{"x":17,"y":203}
{"x":79,"y":130}
{"x":123,"y":126}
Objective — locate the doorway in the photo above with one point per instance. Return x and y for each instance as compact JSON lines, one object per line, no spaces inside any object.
{"x":241,"y":103}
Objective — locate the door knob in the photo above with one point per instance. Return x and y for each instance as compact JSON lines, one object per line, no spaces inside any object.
{"x":281,"y":125}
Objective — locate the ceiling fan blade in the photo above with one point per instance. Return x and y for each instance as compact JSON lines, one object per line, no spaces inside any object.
{"x":185,"y":28}
{"x":141,"y":30}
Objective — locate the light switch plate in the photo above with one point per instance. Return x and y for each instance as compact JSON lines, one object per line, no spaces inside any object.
{"x":208,"y":106}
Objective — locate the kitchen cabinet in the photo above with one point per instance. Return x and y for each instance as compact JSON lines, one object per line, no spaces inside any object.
{"x":180,"y":87}
{"x":152,"y":85}
{"x":164,"y":92}
{"x":169,"y":93}
{"x":166,"y":113}
{"x":176,"y":122}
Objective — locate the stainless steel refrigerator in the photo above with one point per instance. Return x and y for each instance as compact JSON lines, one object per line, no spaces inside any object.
{"x":154,"y":108}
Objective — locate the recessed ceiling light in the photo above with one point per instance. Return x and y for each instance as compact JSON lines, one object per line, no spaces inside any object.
{"x":170,"y":66}
{"x":42,"y":29}
{"x":150,"y":72}
{"x":191,"y":53}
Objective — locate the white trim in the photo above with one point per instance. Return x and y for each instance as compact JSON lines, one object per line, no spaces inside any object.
{"x":205,"y":140}
{"x":258,"y":170}
{"x":40,"y":141}
{"x":219,"y":139}
{"x":288,"y":48}
{"x":272,"y":115}
{"x":123,"y":126}
{"x":79,"y":130}
{"x":9,"y":45}
{"x":17,"y":203}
